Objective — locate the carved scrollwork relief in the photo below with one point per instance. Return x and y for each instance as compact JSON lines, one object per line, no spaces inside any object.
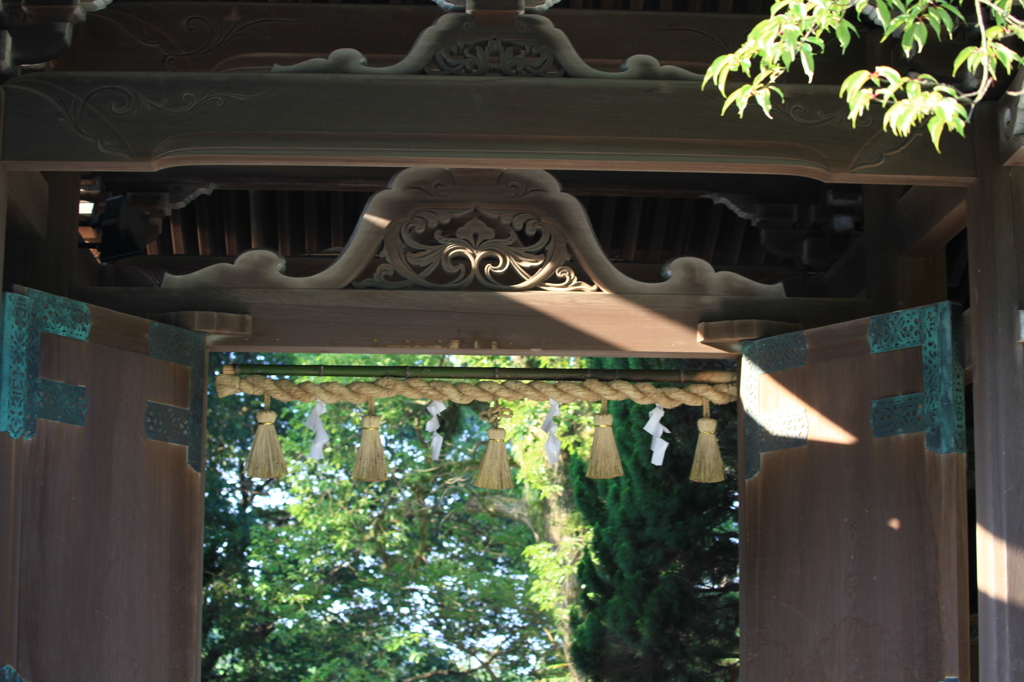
{"x":193,"y":37}
{"x":518,"y":253}
{"x":494,"y":56}
{"x":881,"y":147}
{"x":94,"y":116}
{"x":457,"y":45}
{"x":437,"y":228}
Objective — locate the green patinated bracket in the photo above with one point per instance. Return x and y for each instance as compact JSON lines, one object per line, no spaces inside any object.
{"x":168,"y":423}
{"x":778,"y":431}
{"x":24,"y":397}
{"x":9,"y":674}
{"x":939,"y":409}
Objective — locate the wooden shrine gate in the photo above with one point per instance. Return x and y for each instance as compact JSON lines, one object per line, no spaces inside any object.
{"x":101,"y":485}
{"x":853,"y":520}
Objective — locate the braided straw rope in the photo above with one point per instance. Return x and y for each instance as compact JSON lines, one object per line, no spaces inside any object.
{"x":591,"y":390}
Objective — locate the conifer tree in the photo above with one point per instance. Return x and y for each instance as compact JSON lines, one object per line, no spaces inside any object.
{"x":659,"y":588}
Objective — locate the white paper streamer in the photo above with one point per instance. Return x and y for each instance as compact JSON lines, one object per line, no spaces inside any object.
{"x":654,"y":427}
{"x":554,"y":445}
{"x":316,"y":425}
{"x":435,"y":408}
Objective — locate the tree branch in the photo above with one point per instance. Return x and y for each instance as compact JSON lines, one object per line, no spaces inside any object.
{"x":503,"y":507}
{"x":450,"y":671}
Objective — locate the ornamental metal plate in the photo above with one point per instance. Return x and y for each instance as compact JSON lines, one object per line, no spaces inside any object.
{"x":188,"y":348}
{"x":60,"y":402}
{"x":62,"y":316}
{"x":937,"y":331}
{"x":768,"y":432}
{"x":9,"y":674}
{"x":776,"y":353}
{"x":898,"y":415}
{"x":19,"y":366}
{"x":168,"y":423}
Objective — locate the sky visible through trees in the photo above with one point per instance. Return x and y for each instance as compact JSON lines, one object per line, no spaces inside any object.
{"x":316,"y":577}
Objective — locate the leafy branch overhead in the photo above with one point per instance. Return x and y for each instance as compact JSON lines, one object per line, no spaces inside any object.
{"x":798,"y":31}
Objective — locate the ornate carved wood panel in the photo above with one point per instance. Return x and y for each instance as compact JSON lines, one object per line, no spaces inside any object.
{"x":853,"y":542}
{"x":100,"y":469}
{"x":447,"y":229}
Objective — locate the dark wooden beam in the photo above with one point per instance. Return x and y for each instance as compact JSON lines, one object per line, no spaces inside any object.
{"x":146,"y":122}
{"x":765,"y":188}
{"x":995,"y":233}
{"x":928,"y":217}
{"x":489,"y":323}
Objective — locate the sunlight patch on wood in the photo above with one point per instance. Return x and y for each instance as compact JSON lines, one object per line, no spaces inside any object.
{"x":822,"y":429}
{"x":995,"y":556}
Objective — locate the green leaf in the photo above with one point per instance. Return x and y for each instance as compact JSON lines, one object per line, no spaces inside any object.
{"x":854,"y":82}
{"x":807,"y":58}
{"x":883,"y":13}
{"x":935,"y":127}
{"x":739,"y":97}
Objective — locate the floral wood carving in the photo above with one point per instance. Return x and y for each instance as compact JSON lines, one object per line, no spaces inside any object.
{"x":457,"y":45}
{"x":437,"y":228}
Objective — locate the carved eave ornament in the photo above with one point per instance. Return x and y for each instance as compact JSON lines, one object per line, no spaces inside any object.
{"x":453,"y":229}
{"x":458,"y":44}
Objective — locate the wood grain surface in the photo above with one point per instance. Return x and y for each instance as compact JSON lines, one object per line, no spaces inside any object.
{"x":110,"y":554}
{"x":854,"y":550}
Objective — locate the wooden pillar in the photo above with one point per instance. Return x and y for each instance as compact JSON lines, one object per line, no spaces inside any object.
{"x":896,"y":282}
{"x":50,"y":264}
{"x":995,"y":231}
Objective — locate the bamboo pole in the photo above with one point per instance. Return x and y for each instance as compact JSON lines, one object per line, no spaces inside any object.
{"x":484,"y":373}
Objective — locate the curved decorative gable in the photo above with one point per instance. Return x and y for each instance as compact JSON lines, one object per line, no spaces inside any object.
{"x":437,"y":228}
{"x":458,"y":45}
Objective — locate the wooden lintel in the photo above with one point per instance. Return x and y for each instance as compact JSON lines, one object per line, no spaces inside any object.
{"x":144,"y":122}
{"x":28,"y":196}
{"x":928,"y":217}
{"x":486,"y":323}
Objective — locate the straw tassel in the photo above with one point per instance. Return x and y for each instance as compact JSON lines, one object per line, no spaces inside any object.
{"x":494,"y":470}
{"x":370,"y":463}
{"x":266,"y":459}
{"x":707,"y":461}
{"x":604,"y":455}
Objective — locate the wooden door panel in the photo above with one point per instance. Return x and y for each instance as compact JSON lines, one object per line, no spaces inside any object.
{"x":111,"y":498}
{"x":853,"y":503}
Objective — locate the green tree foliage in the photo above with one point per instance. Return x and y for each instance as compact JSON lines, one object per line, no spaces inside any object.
{"x":798,"y":31}
{"x":659,"y":589}
{"x":317,"y":578}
